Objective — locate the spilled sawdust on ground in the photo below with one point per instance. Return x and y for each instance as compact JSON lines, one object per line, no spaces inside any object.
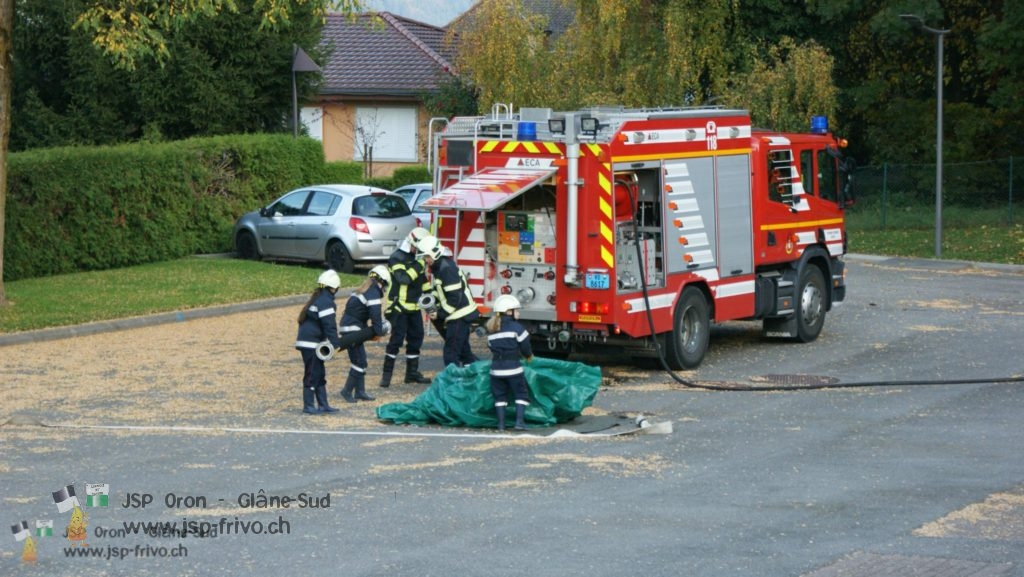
{"x":239,"y":370}
{"x":512,"y":441}
{"x":392,"y":441}
{"x":610,"y":464}
{"x":626,"y":379}
{"x":939,"y":304}
{"x":1000,"y":516}
{"x":528,"y":483}
{"x":449,"y":462}
{"x":933,"y":329}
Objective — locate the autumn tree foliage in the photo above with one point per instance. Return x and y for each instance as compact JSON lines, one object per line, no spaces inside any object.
{"x":130,"y":32}
{"x":642,"y":53}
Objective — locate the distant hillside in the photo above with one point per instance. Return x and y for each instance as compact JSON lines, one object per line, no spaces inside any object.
{"x":436,"y":12}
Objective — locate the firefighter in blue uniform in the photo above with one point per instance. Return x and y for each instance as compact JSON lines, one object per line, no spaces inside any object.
{"x":456,"y":308}
{"x":509,"y":342}
{"x":408,"y":281}
{"x":317,"y":324}
{"x":364,"y":306}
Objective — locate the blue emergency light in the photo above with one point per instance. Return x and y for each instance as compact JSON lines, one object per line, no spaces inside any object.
{"x":819,"y":125}
{"x":526,"y":131}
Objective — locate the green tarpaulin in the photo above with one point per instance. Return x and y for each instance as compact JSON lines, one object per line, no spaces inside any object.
{"x":461,"y":396}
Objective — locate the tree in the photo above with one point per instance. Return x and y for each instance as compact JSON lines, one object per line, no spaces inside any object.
{"x":132,"y":31}
{"x":503,"y":53}
{"x":786,"y":88}
{"x":657,"y":53}
{"x":6,"y":63}
{"x":1001,"y":41}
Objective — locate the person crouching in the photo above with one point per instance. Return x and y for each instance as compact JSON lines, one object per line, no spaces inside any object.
{"x":508,"y":342}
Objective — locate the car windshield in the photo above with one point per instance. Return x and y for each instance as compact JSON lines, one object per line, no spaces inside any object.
{"x":380,"y":206}
{"x":406,"y":194}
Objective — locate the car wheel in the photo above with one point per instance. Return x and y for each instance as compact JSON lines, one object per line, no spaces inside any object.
{"x":245,"y":246}
{"x":810,"y":301}
{"x":687,"y":343}
{"x":339,"y":258}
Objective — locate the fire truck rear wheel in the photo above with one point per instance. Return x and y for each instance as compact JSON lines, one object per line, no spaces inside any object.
{"x":691,"y":329}
{"x":810,"y":313}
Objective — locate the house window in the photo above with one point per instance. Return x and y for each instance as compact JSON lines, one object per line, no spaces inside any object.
{"x":313,"y":120}
{"x":391,"y":131}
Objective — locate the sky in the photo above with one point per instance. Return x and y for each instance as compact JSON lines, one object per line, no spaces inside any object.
{"x":436,"y":12}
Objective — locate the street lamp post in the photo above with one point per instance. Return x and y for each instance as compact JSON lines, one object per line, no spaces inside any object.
{"x":917,"y":22}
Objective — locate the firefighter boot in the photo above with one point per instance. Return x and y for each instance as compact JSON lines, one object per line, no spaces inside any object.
{"x":389,"y":367}
{"x":308,"y":402}
{"x":520,"y":413}
{"x":361,"y":389}
{"x":500,"y":412}
{"x":413,"y":374}
{"x":321,"y":399}
{"x":386,"y":371}
{"x":350,"y":386}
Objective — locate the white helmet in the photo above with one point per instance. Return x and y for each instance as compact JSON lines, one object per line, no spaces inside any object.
{"x":430,"y":246}
{"x":381,"y":271}
{"x":413,"y":238}
{"x":505,"y":303}
{"x":329,"y":279}
{"x":417,"y":234}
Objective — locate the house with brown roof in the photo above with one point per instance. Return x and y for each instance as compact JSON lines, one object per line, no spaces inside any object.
{"x":370,"y":101}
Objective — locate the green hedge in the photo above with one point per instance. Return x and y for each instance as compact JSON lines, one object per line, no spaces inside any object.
{"x":343,"y":173}
{"x":92,"y":208}
{"x":402,"y":176}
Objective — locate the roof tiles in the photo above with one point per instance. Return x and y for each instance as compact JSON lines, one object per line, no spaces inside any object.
{"x":383,"y":55}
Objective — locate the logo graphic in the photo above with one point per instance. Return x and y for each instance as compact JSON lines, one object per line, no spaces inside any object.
{"x":44,"y":528}
{"x":96,"y":495}
{"x":76,"y":528}
{"x":20,"y":531}
{"x":66,"y":499}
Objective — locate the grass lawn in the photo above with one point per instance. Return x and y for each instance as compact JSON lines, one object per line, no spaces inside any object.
{"x":152,"y":288}
{"x":205,"y":281}
{"x":981,"y":243}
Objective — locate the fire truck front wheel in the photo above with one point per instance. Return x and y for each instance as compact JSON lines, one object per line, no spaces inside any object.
{"x":811,"y":305}
{"x":691,"y":329}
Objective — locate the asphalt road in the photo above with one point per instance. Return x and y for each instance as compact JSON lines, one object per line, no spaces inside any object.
{"x":897,"y":479}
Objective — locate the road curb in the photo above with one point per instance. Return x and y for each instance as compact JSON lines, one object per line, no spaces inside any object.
{"x":56,"y":333}
{"x":933,"y":264}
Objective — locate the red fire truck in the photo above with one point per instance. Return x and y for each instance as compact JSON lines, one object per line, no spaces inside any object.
{"x":635,"y":229}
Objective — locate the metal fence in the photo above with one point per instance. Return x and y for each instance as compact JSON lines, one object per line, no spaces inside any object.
{"x":902,"y":196}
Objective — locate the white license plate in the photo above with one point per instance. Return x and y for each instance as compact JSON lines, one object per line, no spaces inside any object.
{"x":388,"y":249}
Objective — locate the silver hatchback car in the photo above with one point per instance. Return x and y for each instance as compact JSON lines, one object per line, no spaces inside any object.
{"x":414,"y":195}
{"x":340,"y":224}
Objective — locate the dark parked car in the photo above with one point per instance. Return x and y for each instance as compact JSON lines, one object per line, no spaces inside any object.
{"x":340,"y":224}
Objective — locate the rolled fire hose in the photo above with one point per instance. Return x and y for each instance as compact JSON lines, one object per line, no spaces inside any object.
{"x":325,"y":351}
{"x":427,"y":303}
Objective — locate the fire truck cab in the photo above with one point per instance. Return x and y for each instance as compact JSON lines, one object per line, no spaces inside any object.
{"x":636,"y":229}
